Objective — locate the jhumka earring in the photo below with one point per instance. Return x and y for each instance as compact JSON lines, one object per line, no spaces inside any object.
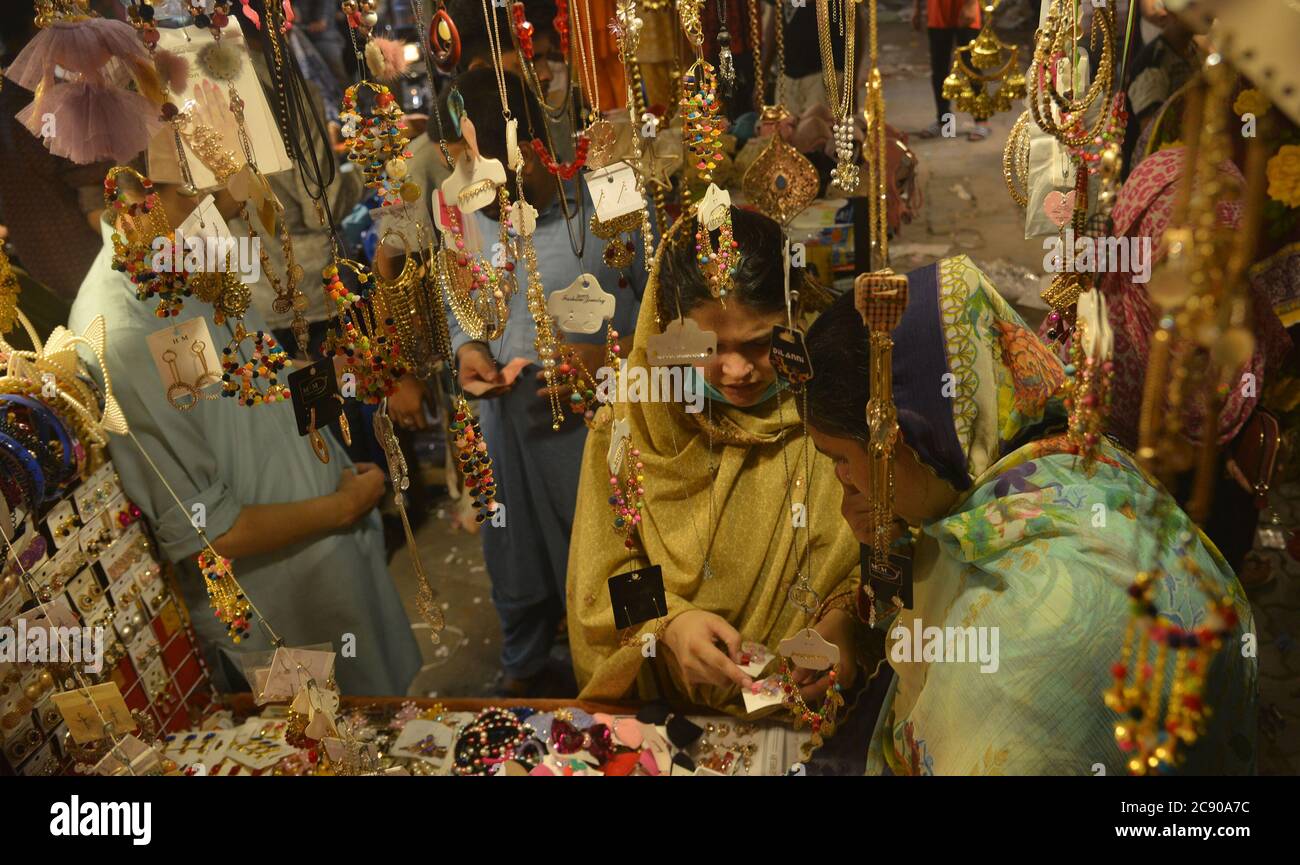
{"x":985,"y":60}
{"x":226,"y":597}
{"x":345,"y":428}
{"x":881,"y":300}
{"x":241,"y":379}
{"x":398,"y":471}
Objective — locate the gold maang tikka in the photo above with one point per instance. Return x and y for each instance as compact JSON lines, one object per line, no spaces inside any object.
{"x":780,"y":182}
{"x":984,"y":61}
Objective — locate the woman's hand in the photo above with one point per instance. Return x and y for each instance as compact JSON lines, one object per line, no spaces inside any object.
{"x":693,"y":638}
{"x":837,"y":628}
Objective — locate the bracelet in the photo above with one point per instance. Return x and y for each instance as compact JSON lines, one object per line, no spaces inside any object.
{"x":845,"y":600}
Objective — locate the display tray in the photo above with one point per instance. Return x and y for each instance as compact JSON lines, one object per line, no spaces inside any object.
{"x":401,"y":736}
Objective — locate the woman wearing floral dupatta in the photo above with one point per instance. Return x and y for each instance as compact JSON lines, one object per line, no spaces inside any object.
{"x":1014,"y":536}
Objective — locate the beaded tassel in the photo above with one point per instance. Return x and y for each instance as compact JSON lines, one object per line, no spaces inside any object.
{"x":475,"y":464}
{"x":225,"y":596}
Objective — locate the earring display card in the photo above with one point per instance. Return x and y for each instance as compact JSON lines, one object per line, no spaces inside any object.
{"x":206,"y":222}
{"x":315,"y":387}
{"x":196,"y":45}
{"x":638,"y":596}
{"x":614,"y":191}
{"x":789,"y":355}
{"x":289,"y":670}
{"x":185,"y":355}
{"x":682,"y":343}
{"x":87,"y":710}
{"x":894,"y":579}
{"x":583,"y":307}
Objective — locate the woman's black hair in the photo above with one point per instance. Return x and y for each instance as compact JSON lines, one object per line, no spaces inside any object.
{"x":759,"y":282}
{"x":839,"y":347}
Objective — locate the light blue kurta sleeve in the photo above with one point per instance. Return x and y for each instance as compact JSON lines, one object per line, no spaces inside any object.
{"x":176,"y":444}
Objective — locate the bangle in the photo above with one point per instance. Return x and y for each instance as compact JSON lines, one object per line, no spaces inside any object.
{"x":843,"y":601}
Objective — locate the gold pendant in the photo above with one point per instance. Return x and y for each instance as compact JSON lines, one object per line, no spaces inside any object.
{"x":781,"y":182}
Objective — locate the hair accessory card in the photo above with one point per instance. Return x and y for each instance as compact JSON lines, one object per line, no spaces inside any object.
{"x":637,"y":597}
{"x":763,"y":694}
{"x":810,"y":650}
{"x":713,"y":207}
{"x":681,"y":344}
{"x":315,"y":387}
{"x":259,"y":121}
{"x":614,"y":191}
{"x":583,"y":307}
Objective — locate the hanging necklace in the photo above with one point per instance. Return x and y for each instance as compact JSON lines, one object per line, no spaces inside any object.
{"x":845,"y":172}
{"x":781,"y":182}
{"x":442,"y":26}
{"x":478,"y":293}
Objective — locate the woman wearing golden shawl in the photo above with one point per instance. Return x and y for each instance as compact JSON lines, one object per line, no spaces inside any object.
{"x":735,"y":498}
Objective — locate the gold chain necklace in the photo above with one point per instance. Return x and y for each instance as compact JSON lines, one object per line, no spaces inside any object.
{"x":839,"y":98}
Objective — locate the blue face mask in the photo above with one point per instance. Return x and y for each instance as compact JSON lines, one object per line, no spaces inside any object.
{"x":716,"y":395}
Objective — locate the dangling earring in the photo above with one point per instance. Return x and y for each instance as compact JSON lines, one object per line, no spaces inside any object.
{"x":345,"y":428}
{"x":317,"y":440}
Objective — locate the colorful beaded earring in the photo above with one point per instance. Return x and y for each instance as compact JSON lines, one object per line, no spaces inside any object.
{"x":145,"y":227}
{"x":1089,"y":372}
{"x":702,"y":128}
{"x":242,"y":379}
{"x":1154,"y":730}
{"x":377,"y":143}
{"x":225,"y":595}
{"x":718,"y":264}
{"x":475,"y":464}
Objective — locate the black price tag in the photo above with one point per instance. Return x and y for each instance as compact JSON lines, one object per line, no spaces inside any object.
{"x":638,"y":596}
{"x":315,"y":387}
{"x":789,"y":355}
{"x":888,"y":580}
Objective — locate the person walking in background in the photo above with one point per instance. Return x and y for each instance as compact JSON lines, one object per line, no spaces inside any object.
{"x":952,"y":24}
